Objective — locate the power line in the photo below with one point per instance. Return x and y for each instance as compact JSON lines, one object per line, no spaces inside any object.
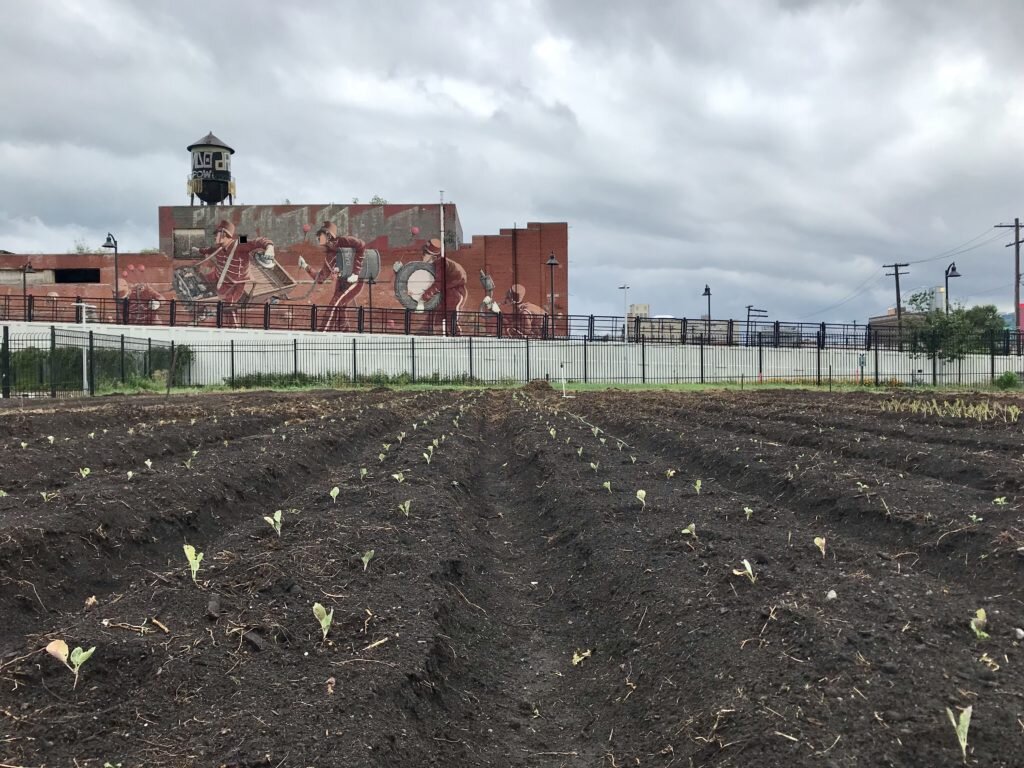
{"x":859,"y":290}
{"x":959,"y":249}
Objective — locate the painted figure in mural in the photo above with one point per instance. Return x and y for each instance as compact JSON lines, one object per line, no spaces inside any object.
{"x":452,"y":280}
{"x":228,"y":270}
{"x":524,"y":319}
{"x":346,"y":287}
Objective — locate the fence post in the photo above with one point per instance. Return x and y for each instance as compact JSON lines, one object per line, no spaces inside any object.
{"x":232,"y":348}
{"x":590,"y":328}
{"x":643,"y":359}
{"x":527,"y":358}
{"x":172,"y":311}
{"x":585,"y":379}
{"x":544,"y":327}
{"x":760,"y":357}
{"x":220,"y":314}
{"x":125,"y":312}
{"x":818,"y":356}
{"x":295,"y":358}
{"x":312,"y":318}
{"x":636,"y":327}
{"x":408,"y":321}
{"x":92,"y":365}
{"x":471,"y":357}
{"x":5,"y":365}
{"x":728,"y":334}
{"x":31,"y":307}
{"x":122,"y":357}
{"x":53,"y":361}
{"x":266,"y":316}
{"x":700,"y":340}
{"x":876,"y":358}
{"x":170,"y":367}
{"x":776,"y":333}
{"x":501,"y":315}
{"x":682,"y":339}
{"x":992,"y":354}
{"x":359,"y":320}
{"x":354,"y":369}
{"x":79,"y":309}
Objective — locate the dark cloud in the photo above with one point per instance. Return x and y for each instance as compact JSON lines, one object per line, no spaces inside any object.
{"x":780,"y":153}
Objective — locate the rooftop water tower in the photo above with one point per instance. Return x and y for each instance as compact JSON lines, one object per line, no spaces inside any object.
{"x":211,"y":178}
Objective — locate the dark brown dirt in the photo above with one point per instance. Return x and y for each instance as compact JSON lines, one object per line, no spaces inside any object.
{"x":455,"y":643}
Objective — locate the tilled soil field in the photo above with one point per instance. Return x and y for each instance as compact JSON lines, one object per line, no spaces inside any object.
{"x":794,"y":585}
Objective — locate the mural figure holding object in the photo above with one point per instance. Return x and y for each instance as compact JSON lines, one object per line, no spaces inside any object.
{"x":226,"y":268}
{"x":346,"y":259}
{"x":525,"y":319}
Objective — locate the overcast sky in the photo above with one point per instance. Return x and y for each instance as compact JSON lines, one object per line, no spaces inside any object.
{"x":780,"y":151}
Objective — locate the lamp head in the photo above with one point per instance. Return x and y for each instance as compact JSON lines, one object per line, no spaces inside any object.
{"x":951,"y":270}
{"x":111,"y":242}
{"x":707,"y":290}
{"x":552,"y":261}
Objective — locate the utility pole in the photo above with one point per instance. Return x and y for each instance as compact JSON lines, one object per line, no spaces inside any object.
{"x":899,"y":302}
{"x":756,"y":313}
{"x":1016,"y":269}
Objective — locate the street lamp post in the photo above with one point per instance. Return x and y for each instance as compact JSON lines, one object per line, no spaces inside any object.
{"x":26,"y":270}
{"x":552,"y":262}
{"x":625,"y":308}
{"x":707,"y":292}
{"x":112,"y":243}
{"x":751,"y":311}
{"x":370,"y":281}
{"x":950,"y":272}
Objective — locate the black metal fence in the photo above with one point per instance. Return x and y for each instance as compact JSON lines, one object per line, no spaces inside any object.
{"x":60,"y":362}
{"x":509,"y":324}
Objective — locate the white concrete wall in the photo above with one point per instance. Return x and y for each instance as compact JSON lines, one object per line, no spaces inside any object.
{"x":488,"y":359}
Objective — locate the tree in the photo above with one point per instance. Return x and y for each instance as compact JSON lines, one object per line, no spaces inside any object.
{"x":962,"y":331}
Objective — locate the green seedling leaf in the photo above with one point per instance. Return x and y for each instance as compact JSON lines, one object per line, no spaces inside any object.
{"x":641,"y":496}
{"x":819,"y":542}
{"x":697,"y":485}
{"x":595,"y":465}
{"x":73,"y":660}
{"x":579,"y":656}
{"x":362,"y":473}
{"x":399,"y":476}
{"x":961,"y":727}
{"x":999,"y":501}
{"x":632,"y":459}
{"x":746,"y":570}
{"x":386,"y":446}
{"x":275,"y":521}
{"x":92,"y":435}
{"x":579,"y":451}
{"x":24,"y":445}
{"x":748,"y":512}
{"x":552,"y":432}
{"x":603,"y":440}
{"x":620,"y":444}
{"x":49,"y":439}
{"x":334,"y":494}
{"x":148,"y":463}
{"x":130,"y":474}
{"x":690,"y":530}
{"x":404,"y":507}
{"x":427,"y":457}
{"x":194,"y":559}
{"x":595,"y":430}
{"x":3,"y":493}
{"x":401,"y":436}
{"x":366,"y":558}
{"x":48,"y":497}
{"x":324,"y":617}
{"x":380,"y":457}
{"x":979,"y":623}
{"x":607,"y":485}
{"x":669,"y":474}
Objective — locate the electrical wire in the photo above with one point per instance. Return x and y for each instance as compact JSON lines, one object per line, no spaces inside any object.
{"x":859,"y":290}
{"x":960,"y":249}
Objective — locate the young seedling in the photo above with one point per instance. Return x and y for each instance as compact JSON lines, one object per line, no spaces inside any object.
{"x":404,"y":507}
{"x":130,"y":474}
{"x":334,"y":494}
{"x":386,"y":447}
{"x":579,"y":656}
{"x":401,"y":436}
{"x":690,"y":530}
{"x":380,"y":457}
{"x":669,"y":474}
{"x":324,"y":617}
{"x":697,"y":485}
{"x":595,"y":430}
{"x":961,"y":726}
{"x":861,"y":487}
{"x":24,"y":445}
{"x":1000,"y":501}
{"x":188,"y":463}
{"x":552,"y":432}
{"x":426,"y":457}
{"x":748,"y":512}
{"x":607,"y":485}
{"x":366,"y":558}
{"x":49,"y":439}
{"x":819,"y":542}
{"x":579,"y":451}
{"x":594,"y":466}
{"x":84,"y":472}
{"x":48,"y":497}
{"x":73,"y":660}
{"x":973,"y":517}
{"x":274,"y":522}
{"x":641,"y":496}
{"x":399,"y":476}
{"x":620,"y":444}
{"x":3,"y":493}
{"x":978,"y":624}
{"x":746,"y":570}
{"x":148,"y":463}
{"x":194,"y":559}
{"x":92,"y":435}
{"x":603,"y":440}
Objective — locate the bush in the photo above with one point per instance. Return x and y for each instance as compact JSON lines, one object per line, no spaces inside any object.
{"x":1008,"y":380}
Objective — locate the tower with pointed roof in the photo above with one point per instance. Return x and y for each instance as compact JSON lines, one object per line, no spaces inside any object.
{"x":211,"y":179}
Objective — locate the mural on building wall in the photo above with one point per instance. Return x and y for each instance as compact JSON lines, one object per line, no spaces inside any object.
{"x":351,"y":258}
